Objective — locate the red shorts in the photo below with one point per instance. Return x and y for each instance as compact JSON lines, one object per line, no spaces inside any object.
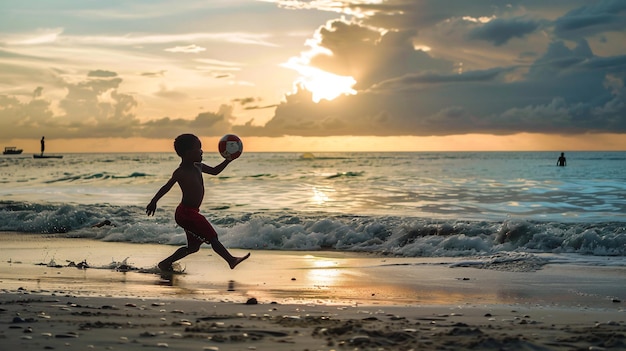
{"x":196,"y":226}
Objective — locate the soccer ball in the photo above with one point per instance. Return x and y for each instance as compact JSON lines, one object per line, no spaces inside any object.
{"x":230,"y":146}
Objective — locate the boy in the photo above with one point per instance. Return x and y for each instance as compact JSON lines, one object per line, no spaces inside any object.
{"x":188,"y":175}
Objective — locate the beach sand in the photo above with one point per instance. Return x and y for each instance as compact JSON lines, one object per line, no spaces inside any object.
{"x":295,"y":301}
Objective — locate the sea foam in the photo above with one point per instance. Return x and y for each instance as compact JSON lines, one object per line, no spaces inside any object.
{"x":384,"y":235}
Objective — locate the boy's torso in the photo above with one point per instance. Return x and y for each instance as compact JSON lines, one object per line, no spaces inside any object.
{"x":191,"y":184}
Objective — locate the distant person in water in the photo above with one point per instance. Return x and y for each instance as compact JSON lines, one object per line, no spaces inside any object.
{"x":43,"y":145}
{"x":188,"y":175}
{"x":561,"y":162}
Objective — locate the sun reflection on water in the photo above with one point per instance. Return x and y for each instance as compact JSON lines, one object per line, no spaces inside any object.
{"x":319,"y":197}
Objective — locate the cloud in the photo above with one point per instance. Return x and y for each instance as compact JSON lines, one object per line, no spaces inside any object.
{"x":189,"y":49}
{"x":245,"y":101}
{"x":94,"y":108}
{"x":352,"y":8}
{"x":41,"y":36}
{"x":427,"y":78}
{"x":407,"y":92}
{"x":205,"y":124}
{"x":257,"y":107}
{"x":592,"y":19}
{"x":61,"y":36}
{"x":37,"y":92}
{"x":22,"y":119}
{"x":160,"y":73}
{"x":166,"y":93}
{"x":500,"y":31}
{"x":369,"y":55}
{"x":91,"y":108}
{"x":526,"y":66}
{"x":229,"y":37}
{"x":101,"y":73}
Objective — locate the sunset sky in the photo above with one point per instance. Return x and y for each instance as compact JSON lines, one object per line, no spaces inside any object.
{"x":396,"y":75}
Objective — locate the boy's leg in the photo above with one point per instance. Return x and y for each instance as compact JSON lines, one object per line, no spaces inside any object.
{"x":166,"y":264}
{"x":223,"y":252}
{"x":200,"y":230}
{"x":193,"y":245}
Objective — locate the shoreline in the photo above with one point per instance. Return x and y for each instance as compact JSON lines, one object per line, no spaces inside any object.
{"x":281,"y":300}
{"x":51,"y":263}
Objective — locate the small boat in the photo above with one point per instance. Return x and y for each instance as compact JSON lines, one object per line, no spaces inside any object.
{"x":12,"y":150}
{"x":47,"y":156}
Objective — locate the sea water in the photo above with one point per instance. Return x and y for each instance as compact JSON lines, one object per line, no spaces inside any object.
{"x":494,"y":205}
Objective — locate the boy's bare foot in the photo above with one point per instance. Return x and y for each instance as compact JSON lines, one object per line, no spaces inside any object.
{"x":165,"y":267}
{"x":238,"y":260}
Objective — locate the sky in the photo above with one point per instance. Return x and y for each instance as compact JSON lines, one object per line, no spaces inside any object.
{"x":318,"y":75}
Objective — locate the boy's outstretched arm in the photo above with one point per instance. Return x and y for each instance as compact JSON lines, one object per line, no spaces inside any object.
{"x":151,"y":208}
{"x":217,"y":169}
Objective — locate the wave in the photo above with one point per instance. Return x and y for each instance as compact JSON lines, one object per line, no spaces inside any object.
{"x":345,"y":175}
{"x":308,"y":156}
{"x":96,"y":176}
{"x":262,"y":175}
{"x":384,"y":235}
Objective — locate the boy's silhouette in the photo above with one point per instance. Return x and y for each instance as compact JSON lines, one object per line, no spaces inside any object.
{"x":188,"y":175}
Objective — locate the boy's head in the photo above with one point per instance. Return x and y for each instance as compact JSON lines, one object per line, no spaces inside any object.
{"x":186,"y":142}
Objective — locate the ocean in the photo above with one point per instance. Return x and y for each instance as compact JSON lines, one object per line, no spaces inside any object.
{"x":482,"y":206}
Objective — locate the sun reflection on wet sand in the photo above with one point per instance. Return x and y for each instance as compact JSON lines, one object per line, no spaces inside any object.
{"x":323,"y":272}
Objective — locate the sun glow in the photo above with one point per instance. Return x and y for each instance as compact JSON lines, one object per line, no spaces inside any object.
{"x":322,"y":84}
{"x":327,"y":86}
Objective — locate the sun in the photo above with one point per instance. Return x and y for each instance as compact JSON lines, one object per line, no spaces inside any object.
{"x":325,"y":85}
{"x":322,"y":84}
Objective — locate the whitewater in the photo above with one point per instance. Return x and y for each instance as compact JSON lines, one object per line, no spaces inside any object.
{"x":500,"y":205}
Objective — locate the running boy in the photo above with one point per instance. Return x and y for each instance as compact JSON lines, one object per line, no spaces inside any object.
{"x":188,"y":175}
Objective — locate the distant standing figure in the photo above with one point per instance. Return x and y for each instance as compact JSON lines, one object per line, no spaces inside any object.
{"x":561,"y":162}
{"x":43,"y":145}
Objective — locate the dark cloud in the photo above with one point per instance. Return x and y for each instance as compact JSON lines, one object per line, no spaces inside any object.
{"x":101,"y":74}
{"x":250,"y":103}
{"x":245,"y":101}
{"x":565,"y":90}
{"x":257,"y":107}
{"x":402,"y":91}
{"x":412,"y":80}
{"x":615,"y":64}
{"x":154,"y":74}
{"x":405,"y":15}
{"x":500,"y":31}
{"x":559,"y":58}
{"x":37,"y":92}
{"x":205,"y":124}
{"x":594,"y":18}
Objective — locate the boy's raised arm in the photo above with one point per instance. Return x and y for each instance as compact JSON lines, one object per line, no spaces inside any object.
{"x":215,"y":170}
{"x":151,"y":208}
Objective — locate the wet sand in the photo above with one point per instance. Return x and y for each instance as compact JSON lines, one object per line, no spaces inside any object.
{"x":295,"y":301}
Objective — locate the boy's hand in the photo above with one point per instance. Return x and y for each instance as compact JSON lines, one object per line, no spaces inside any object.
{"x":151,"y":208}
